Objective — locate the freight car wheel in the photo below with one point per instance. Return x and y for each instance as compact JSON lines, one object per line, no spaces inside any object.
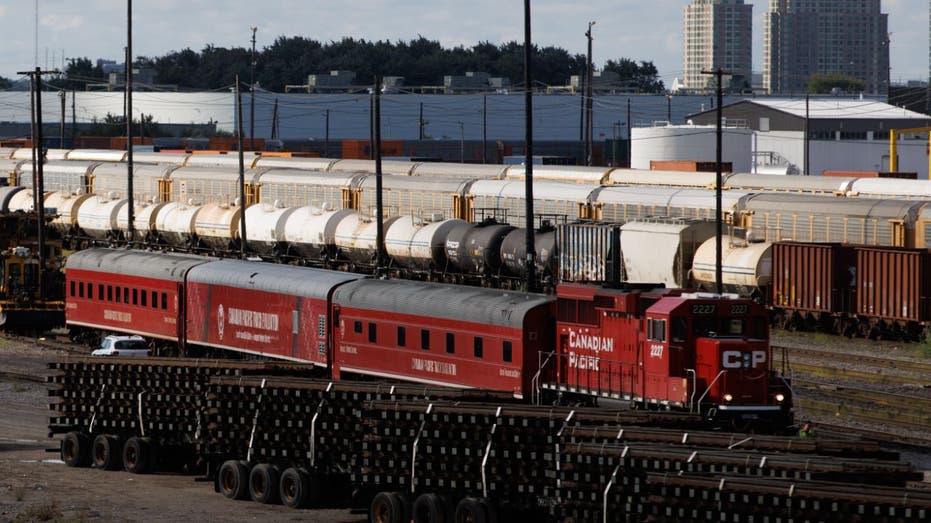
{"x":294,"y":488}
{"x":233,"y":479}
{"x":429,"y":508}
{"x":263,"y":484}
{"x":138,"y":455}
{"x":107,"y":452}
{"x":470,"y":510}
{"x":387,"y":507}
{"x":76,"y":449}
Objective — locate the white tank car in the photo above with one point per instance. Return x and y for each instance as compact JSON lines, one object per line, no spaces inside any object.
{"x":662,"y":251}
{"x":265,"y":226}
{"x":144,"y":220}
{"x":746,"y":267}
{"x":174,"y":224}
{"x":66,"y":205}
{"x":419,"y":242}
{"x":6,"y":195}
{"x":356,"y":237}
{"x":98,"y":217}
{"x":310,"y":232}
{"x":22,"y":201}
{"x":217,"y":225}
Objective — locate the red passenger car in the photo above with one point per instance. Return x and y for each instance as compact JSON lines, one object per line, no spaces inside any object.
{"x":667,"y":349}
{"x":131,"y":291}
{"x":441,"y":334}
{"x":279,"y":311}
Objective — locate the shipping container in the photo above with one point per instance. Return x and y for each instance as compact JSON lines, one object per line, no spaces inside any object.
{"x":696,"y":166}
{"x":872,"y":174}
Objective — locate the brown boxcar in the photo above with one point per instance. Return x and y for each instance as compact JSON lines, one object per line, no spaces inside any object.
{"x":894,"y":284}
{"x":813,"y":277}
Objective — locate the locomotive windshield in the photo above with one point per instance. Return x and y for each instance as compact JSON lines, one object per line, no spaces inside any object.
{"x":753,"y":327}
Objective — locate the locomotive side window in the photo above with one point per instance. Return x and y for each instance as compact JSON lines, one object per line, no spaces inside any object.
{"x":90,"y":291}
{"x":154,"y":299}
{"x":373,"y":332}
{"x":656,"y":330}
{"x":135,"y":296}
{"x":357,"y":327}
{"x":126,"y":295}
{"x":477,"y":348}
{"x":425,"y":339}
{"x":165,"y":301}
{"x":143,"y":295}
{"x":450,"y":343}
{"x":506,"y":351}
{"x":402,"y":337}
{"x":72,"y":288}
{"x":100,"y":291}
{"x":109,"y":293}
{"x":680,"y":329}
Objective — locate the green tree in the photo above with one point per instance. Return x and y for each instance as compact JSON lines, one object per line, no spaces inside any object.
{"x":5,"y":83}
{"x":826,"y":83}
{"x":642,"y":77}
{"x":79,"y":73}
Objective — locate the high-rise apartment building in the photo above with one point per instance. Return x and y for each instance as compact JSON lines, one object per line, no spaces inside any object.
{"x":718,"y":34}
{"x":802,"y":38}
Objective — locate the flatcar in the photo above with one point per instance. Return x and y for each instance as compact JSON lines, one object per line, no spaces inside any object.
{"x":652,"y":347}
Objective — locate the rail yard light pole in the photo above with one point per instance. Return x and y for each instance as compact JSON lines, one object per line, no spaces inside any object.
{"x":252,"y":92}
{"x":588,"y":98}
{"x":461,"y":142}
{"x":719,"y":74}
{"x":528,"y":159}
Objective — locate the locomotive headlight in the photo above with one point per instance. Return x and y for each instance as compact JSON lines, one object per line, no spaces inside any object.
{"x":780,"y":397}
{"x":728,"y":397}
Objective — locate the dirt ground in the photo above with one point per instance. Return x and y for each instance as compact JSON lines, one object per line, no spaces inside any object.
{"x":36,"y":486}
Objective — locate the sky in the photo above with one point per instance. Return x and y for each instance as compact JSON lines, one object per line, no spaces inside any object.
{"x":635,"y":29}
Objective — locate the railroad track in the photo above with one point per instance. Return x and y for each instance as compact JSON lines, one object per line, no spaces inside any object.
{"x":854,"y":365}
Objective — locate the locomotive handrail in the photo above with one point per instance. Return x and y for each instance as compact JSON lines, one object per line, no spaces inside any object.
{"x":535,"y":381}
{"x":708,"y":388}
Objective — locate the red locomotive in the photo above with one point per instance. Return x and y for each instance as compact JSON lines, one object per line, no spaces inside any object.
{"x":654,"y":348}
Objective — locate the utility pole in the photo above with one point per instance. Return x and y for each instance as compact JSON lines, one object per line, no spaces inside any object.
{"x":252,"y":94}
{"x":38,"y":159}
{"x":589,"y":127}
{"x":669,"y":108}
{"x":484,"y":128}
{"x":61,"y":127}
{"x":630,"y":134}
{"x":420,"y":122}
{"x":242,"y":173}
{"x":461,"y":142}
{"x":380,"y":255}
{"x":130,"y":193}
{"x":807,"y":171}
{"x":718,"y":276}
{"x":326,"y":136}
{"x":528,"y":160}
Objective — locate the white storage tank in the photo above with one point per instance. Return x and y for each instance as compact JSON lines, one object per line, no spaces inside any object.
{"x":662,"y":251}
{"x":174,"y":224}
{"x":690,"y":142}
{"x":217,"y":225}
{"x":746,"y":267}
{"x":98,"y":217}
{"x":419,"y":242}
{"x":265,"y":226}
{"x":310,"y":232}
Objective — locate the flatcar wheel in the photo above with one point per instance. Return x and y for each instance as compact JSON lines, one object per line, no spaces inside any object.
{"x":76,"y":449}
{"x":387,"y":507}
{"x":263,"y":484}
{"x":138,"y":457}
{"x":294,"y":487}
{"x":107,"y":452}
{"x":429,"y":508}
{"x":470,"y":510}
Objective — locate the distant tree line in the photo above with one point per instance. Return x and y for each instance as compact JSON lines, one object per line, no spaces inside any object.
{"x":289,"y":60}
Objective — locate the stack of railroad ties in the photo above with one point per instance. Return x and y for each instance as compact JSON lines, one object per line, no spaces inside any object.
{"x":424,"y":448}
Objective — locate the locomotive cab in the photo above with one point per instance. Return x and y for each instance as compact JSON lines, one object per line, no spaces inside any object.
{"x":720,"y":345}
